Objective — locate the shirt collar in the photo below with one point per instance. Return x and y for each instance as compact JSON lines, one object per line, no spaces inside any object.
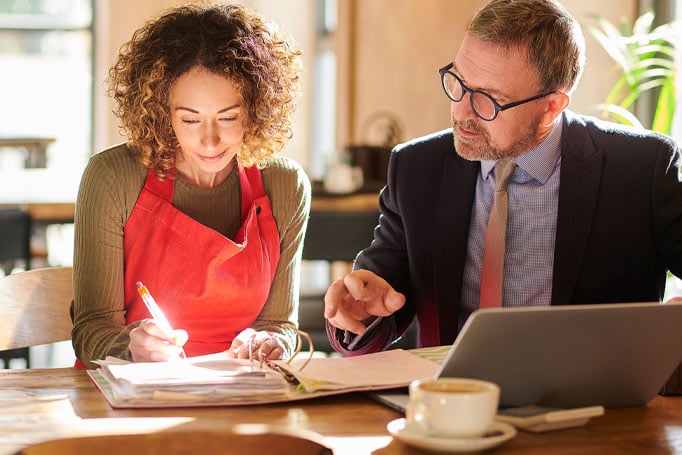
{"x":540,"y":161}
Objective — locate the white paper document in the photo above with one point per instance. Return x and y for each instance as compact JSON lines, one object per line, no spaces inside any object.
{"x":213,"y":376}
{"x":394,"y":368}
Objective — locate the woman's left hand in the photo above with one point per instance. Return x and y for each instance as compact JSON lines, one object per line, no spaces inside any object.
{"x":261,"y":341}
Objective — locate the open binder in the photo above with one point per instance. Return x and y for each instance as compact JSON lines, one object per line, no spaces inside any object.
{"x":215,"y":380}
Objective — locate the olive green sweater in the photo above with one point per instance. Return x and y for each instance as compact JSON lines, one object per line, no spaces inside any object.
{"x":108,"y":191}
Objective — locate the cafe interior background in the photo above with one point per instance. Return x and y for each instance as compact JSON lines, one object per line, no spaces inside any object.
{"x":370,"y":80}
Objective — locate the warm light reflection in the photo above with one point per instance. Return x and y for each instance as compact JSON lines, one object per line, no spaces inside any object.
{"x":674,"y":437}
{"x":63,"y":420}
{"x":129,"y":425}
{"x":52,"y":416}
{"x":354,"y":445}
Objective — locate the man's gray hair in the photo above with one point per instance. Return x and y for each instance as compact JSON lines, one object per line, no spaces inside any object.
{"x":552,"y":37}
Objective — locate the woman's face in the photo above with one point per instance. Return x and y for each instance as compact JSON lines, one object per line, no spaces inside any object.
{"x":208,"y":120}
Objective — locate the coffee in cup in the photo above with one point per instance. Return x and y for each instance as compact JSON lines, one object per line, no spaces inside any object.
{"x":452,"y":407}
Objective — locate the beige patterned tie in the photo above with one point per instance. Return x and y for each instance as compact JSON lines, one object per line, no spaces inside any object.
{"x":493,"y":252}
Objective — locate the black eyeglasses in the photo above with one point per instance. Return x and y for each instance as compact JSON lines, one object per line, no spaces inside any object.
{"x":483,"y":104}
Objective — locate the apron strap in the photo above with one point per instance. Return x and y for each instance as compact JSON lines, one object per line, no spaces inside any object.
{"x":163,"y":189}
{"x":252,"y":187}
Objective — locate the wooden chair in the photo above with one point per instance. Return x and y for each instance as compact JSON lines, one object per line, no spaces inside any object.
{"x":35,"y":308}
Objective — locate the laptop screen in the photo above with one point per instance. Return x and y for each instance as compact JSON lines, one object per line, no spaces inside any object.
{"x":613,"y":355}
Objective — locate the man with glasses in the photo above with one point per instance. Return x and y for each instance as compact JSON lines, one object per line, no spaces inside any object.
{"x":591,"y":213}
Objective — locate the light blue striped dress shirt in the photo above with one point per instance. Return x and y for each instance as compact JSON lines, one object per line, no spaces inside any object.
{"x":531,"y":228}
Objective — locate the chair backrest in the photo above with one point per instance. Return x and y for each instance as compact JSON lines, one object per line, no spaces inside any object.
{"x":15,"y":237}
{"x":35,"y":307}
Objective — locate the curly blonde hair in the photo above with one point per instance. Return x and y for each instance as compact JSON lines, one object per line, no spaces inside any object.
{"x":260,"y":59}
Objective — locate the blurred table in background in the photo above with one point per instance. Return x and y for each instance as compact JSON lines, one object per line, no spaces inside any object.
{"x":35,"y":149}
{"x":366,"y":199}
{"x":49,"y":196}
{"x":48,"y":212}
{"x":355,"y":202}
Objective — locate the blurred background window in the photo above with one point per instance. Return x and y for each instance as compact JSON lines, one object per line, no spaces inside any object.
{"x":46,"y":78}
{"x":324,"y":89}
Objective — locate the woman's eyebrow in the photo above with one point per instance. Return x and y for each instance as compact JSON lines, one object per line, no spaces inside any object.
{"x":194,"y":111}
{"x":229,"y":108}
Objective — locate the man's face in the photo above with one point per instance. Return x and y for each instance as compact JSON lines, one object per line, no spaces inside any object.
{"x":505,"y":75}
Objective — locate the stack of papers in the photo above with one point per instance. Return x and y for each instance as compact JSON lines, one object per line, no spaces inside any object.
{"x":213,"y":377}
{"x":216,"y":380}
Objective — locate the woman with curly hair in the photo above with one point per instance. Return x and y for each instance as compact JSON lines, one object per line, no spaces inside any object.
{"x":195,"y":205}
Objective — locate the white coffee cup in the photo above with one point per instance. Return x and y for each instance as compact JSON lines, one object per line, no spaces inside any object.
{"x":452,"y":407}
{"x":343,"y":178}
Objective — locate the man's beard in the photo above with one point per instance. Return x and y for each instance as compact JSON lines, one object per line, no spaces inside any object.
{"x":481,"y":148}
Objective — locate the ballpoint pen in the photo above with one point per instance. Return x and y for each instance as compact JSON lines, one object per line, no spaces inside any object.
{"x":156,"y":312}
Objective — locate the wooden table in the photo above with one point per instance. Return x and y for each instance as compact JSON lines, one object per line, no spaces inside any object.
{"x":358,"y":202}
{"x":36,"y":149}
{"x":40,"y":405}
{"x":48,"y":212}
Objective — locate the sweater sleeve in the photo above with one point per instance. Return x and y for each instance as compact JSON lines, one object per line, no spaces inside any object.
{"x":288,"y":188}
{"x":107,"y":194}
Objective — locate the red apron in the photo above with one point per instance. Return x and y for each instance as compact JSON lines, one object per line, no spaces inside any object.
{"x":205,"y":283}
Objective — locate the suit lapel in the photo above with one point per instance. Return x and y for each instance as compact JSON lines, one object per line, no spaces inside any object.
{"x":450,"y":240}
{"x":581,"y":169}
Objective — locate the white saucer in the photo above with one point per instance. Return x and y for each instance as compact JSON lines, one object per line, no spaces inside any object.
{"x":496,"y":434}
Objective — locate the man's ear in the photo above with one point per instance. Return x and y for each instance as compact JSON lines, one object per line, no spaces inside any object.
{"x":556,"y":104}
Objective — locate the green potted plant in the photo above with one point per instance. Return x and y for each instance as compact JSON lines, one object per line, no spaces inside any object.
{"x":649,"y":59}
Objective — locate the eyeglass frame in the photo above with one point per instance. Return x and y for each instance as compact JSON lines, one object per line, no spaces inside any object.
{"x":498,"y":107}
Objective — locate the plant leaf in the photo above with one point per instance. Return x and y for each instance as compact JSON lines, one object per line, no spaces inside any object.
{"x":665,"y":108}
{"x":614,"y":47}
{"x":621,"y":115}
{"x":642,"y":25}
{"x":648,"y":60}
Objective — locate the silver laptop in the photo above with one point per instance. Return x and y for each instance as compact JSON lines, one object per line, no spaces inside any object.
{"x":614,"y":355}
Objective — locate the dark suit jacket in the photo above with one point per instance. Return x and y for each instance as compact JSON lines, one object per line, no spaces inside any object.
{"x":619,"y":225}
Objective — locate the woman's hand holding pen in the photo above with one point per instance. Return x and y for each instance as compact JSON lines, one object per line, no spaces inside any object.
{"x":149,"y":343}
{"x":250,"y":344}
